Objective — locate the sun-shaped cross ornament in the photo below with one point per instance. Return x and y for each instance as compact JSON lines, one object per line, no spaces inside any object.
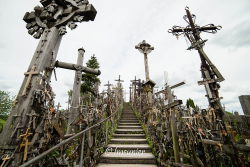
{"x":59,"y":14}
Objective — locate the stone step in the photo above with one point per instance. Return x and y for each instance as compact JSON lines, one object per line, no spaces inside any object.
{"x":128,"y":127}
{"x":127,"y":158}
{"x":133,"y":119}
{"x":131,"y":113}
{"x":130,"y":124}
{"x":129,"y":136}
{"x":131,"y":131}
{"x":130,"y":147}
{"x":128,"y":121}
{"x":128,"y":141}
{"x":125,"y":165}
{"x":129,"y":116}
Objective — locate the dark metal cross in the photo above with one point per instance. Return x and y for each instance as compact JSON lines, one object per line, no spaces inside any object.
{"x":210,"y":74}
{"x":108,"y":85}
{"x":119,"y":82}
{"x":119,"y":79}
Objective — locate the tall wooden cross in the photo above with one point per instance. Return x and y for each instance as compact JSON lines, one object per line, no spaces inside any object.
{"x":75,"y":100}
{"x":210,"y":74}
{"x":47,"y":22}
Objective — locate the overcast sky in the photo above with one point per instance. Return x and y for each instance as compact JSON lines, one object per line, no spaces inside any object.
{"x":119,"y":26}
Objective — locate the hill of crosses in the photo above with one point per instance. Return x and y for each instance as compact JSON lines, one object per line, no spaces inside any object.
{"x":103,"y":128}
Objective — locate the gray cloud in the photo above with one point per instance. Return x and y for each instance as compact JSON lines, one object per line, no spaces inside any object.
{"x":119,"y":26}
{"x":235,"y":37}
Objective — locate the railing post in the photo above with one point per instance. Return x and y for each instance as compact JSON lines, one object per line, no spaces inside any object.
{"x":82,"y":150}
{"x":106,"y":141}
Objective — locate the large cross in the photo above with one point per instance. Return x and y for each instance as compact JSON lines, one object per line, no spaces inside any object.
{"x":145,"y":49}
{"x":47,"y":22}
{"x":210,"y":74}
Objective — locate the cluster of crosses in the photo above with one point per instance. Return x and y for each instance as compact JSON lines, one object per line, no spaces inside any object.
{"x":30,"y":122}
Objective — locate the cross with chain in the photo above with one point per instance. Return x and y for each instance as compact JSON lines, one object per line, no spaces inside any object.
{"x":210,"y":74}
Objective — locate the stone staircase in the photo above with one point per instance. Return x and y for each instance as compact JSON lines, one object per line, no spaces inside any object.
{"x":128,"y":147}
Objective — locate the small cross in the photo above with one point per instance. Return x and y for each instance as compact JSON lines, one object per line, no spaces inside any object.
{"x":108,"y":85}
{"x":119,"y":79}
{"x":25,"y":143}
{"x":5,"y":159}
{"x":30,"y":74}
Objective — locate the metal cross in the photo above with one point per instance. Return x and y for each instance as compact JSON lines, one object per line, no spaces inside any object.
{"x":119,"y":79}
{"x":108,"y":85}
{"x":210,"y":74}
{"x":30,"y":74}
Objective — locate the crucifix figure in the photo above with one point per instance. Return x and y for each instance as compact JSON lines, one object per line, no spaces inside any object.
{"x":145,"y":49}
{"x":47,"y":22}
{"x":210,"y":74}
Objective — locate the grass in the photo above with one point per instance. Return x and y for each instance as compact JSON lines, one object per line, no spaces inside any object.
{"x":2,"y":123}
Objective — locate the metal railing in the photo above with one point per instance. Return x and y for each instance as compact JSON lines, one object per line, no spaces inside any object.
{"x":79,"y":134}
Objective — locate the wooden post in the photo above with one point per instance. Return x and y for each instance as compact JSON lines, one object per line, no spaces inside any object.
{"x":75,"y":102}
{"x":106,"y":132}
{"x":175,"y":136}
{"x":82,"y":150}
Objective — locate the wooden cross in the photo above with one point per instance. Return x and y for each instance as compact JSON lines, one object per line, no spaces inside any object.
{"x":5,"y":159}
{"x":25,"y":143}
{"x":108,"y":85}
{"x":119,"y":79}
{"x":210,"y":73}
{"x":134,"y":84}
{"x":30,"y":74}
{"x":119,"y":85}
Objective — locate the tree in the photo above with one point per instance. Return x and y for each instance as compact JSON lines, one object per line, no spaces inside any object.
{"x":90,"y":81}
{"x":6,"y":102}
{"x":190,"y":103}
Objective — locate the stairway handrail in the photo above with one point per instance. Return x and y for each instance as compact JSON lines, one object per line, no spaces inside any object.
{"x":65,"y":141}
